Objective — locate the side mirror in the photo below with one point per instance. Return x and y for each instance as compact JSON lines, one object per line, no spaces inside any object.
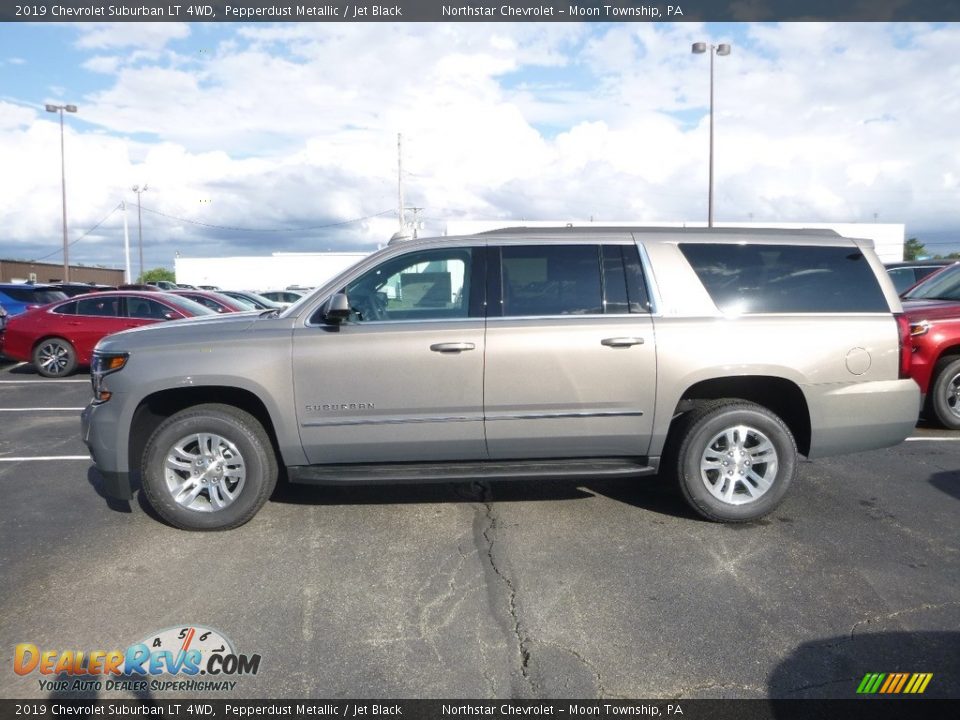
{"x":337,"y":308}
{"x":169,"y":315}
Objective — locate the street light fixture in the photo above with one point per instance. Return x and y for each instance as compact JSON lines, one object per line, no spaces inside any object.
{"x":721,"y":49}
{"x":139,"y":191}
{"x":63,"y":185}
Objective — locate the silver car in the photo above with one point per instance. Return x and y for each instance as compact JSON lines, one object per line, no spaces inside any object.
{"x":710,"y":357}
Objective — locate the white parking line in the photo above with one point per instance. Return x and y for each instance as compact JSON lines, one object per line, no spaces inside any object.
{"x":45,"y":382}
{"x":934,"y":439}
{"x":78,"y":409}
{"x":45,"y":457}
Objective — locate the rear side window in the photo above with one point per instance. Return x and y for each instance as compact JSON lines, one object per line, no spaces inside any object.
{"x":786,"y":278}
{"x":100,"y":306}
{"x":548,"y":280}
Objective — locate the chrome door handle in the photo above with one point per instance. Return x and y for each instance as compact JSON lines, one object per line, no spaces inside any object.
{"x":622,"y":341}
{"x":453,"y":347}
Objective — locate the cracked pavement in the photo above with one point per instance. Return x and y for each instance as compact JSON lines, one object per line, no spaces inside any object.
{"x":498,"y":590}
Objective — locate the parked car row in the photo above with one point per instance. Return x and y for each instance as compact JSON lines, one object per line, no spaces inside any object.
{"x":59,"y":337}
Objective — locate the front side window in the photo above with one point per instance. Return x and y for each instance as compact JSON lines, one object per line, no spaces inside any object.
{"x":425,"y":285}
{"x":143,"y":308}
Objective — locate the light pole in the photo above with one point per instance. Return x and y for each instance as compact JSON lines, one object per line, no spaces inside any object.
{"x":140,"y":191}
{"x":721,"y":49}
{"x":63,"y":185}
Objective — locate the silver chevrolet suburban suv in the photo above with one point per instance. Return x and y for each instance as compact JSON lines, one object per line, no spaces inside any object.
{"x":710,"y":356}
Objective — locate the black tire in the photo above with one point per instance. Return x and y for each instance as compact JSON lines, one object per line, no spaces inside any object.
{"x":945,"y":392}
{"x":54,"y":357}
{"x":241,"y":434}
{"x":696,"y":445}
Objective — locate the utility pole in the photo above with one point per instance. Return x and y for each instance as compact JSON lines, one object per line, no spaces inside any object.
{"x":63,"y":185}
{"x":126,"y":244}
{"x":139,"y":191}
{"x":400,"y":214}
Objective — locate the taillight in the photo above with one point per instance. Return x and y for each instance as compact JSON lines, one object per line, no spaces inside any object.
{"x":906,"y":347}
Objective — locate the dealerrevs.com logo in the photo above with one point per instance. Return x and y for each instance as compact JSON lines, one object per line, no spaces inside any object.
{"x":172,"y":659}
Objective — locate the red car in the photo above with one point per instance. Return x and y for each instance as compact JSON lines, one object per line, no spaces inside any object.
{"x":60,"y":336}
{"x":214,"y":300}
{"x":933,"y":307}
{"x":935,"y":363}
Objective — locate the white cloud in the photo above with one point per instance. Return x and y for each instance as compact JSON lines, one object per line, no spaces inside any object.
{"x":295,"y":125}
{"x":143,"y":35}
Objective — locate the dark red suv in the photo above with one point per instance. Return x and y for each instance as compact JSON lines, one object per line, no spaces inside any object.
{"x":933,"y":307}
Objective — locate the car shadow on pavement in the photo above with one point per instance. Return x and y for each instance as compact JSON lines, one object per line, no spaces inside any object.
{"x":438,"y":492}
{"x":948,"y":482}
{"x":646,"y":493}
{"x":835,"y":667}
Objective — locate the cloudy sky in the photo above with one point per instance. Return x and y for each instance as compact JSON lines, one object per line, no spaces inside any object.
{"x":257,"y":138}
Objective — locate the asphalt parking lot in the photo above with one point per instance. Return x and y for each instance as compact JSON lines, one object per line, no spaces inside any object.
{"x":610,"y":589}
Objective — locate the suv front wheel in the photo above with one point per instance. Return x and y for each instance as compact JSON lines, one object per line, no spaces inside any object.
{"x":734,"y":460}
{"x":209,"y":467}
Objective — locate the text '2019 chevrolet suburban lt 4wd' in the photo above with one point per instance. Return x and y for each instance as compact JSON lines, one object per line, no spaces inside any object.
{"x":711,"y":356}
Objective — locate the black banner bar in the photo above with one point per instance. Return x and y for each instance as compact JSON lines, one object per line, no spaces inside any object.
{"x":192,"y":709}
{"x":479,"y":11}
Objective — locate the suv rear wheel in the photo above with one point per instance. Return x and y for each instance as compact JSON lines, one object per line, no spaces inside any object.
{"x":209,"y":467}
{"x":734,"y":460}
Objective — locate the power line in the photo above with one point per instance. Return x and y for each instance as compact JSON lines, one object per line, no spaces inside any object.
{"x":269,"y":230}
{"x":74,"y":242}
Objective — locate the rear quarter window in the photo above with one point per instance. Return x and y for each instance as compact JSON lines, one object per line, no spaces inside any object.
{"x":786,"y":278}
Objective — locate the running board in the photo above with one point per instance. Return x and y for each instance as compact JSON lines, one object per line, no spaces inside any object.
{"x":478,"y":470}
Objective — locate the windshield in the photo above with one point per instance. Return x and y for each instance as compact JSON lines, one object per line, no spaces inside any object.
{"x":187,"y":305}
{"x":944,"y":285}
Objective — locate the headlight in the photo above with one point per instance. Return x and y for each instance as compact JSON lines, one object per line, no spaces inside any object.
{"x":102,"y":365}
{"x":919,"y":328}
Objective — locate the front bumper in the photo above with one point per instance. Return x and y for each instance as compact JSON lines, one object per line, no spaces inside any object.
{"x":98,"y":430}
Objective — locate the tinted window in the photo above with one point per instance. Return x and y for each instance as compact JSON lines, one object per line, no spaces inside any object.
{"x":786,"y":278}
{"x":426,"y":285}
{"x":551,"y":280}
{"x":207,"y":302}
{"x":69,"y":308}
{"x":146,"y":309}
{"x":35,"y":296}
{"x":100,"y":306}
{"x":902,"y":277}
{"x":942,"y":286}
{"x":624,"y":288}
{"x":187,"y":306}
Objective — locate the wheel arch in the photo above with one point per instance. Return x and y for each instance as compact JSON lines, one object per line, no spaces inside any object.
{"x":158,"y":406}
{"x":779,"y":395}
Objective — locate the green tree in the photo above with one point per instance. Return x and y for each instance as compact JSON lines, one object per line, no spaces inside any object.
{"x":157,"y":274}
{"x":913,"y":249}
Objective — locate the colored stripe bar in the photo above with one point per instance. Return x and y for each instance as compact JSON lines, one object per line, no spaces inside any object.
{"x":903,"y":679}
{"x":926,"y":681}
{"x":864,"y":683}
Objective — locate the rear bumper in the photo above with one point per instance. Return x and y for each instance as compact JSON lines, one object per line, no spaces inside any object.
{"x":861,"y":416}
